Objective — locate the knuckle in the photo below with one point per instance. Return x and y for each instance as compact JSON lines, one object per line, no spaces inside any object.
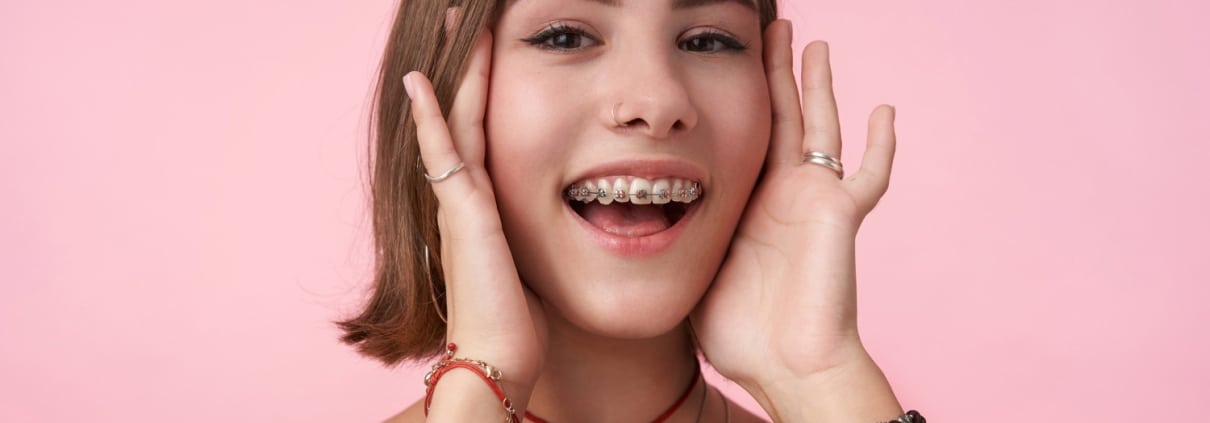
{"x":818,"y":131}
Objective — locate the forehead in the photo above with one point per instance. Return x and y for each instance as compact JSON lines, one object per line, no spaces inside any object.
{"x":684,"y":4}
{"x":764,"y":10}
{"x":676,"y":4}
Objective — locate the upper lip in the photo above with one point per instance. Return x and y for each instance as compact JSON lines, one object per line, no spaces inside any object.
{"x":648,"y":168}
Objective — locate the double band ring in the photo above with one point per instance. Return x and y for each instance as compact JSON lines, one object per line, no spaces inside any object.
{"x":815,"y":157}
{"x":446,"y":175}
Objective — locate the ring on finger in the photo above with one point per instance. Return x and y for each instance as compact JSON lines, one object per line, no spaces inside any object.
{"x":825,"y":160}
{"x":446,"y":175}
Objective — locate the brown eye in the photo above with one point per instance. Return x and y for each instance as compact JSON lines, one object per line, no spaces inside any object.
{"x":561,"y":37}
{"x":700,"y":44}
{"x":711,"y":42}
{"x":568,"y":41}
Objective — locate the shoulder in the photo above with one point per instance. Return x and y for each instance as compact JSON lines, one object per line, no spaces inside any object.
{"x":414,"y":413}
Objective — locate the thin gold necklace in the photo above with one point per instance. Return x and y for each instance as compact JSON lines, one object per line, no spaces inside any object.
{"x":705,"y":395}
{"x":726,"y":406}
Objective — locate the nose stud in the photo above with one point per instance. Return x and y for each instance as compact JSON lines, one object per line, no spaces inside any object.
{"x":614,"y":113}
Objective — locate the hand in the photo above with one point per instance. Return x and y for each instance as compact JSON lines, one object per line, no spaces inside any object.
{"x":492,"y":316}
{"x":783,"y":306}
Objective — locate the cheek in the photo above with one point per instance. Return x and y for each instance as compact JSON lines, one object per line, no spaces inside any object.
{"x":530,"y":107}
{"x":740,"y":115}
{"x":521,"y":121}
{"x":530,"y":126}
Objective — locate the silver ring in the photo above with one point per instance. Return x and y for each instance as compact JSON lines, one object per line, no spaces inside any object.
{"x":822,"y":159}
{"x":614,"y":113}
{"x":446,"y":175}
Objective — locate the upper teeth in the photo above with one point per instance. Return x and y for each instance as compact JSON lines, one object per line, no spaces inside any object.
{"x":635,"y":190}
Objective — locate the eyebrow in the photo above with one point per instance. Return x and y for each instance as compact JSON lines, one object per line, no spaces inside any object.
{"x":687,"y":4}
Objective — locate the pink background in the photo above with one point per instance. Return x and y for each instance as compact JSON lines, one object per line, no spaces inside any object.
{"x":181,"y":208}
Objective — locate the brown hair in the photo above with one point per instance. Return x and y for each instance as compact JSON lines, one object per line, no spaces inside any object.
{"x":400,"y":320}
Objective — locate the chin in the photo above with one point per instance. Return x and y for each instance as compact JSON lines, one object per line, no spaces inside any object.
{"x":611,"y":309}
{"x":625,"y":300}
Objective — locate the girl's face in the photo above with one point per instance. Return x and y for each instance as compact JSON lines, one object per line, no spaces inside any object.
{"x":687,"y":81}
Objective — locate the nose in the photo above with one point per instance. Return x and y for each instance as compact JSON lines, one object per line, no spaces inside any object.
{"x":649,"y":93}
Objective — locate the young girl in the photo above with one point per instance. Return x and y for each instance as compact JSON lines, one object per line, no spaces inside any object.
{"x":586,"y":193}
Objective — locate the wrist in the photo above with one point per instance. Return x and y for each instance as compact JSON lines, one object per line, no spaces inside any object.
{"x":462,"y":396}
{"x":855,"y":390}
{"x":468,"y":403}
{"x":519,"y":362}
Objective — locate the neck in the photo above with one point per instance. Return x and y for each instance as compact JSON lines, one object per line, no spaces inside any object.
{"x":591,"y":378}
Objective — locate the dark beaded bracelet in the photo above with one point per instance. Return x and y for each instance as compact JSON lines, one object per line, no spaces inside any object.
{"x":909,"y":417}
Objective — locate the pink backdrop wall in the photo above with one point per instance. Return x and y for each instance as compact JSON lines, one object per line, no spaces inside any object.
{"x":181,"y":207}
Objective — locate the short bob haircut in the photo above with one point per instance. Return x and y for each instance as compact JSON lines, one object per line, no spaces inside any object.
{"x":400,"y":321}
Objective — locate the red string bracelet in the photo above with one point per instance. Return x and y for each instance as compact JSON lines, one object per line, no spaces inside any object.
{"x":487,"y":372}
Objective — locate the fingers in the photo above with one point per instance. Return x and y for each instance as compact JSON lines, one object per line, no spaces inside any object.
{"x":821,"y":125}
{"x":786,"y":145}
{"x":458,"y":142}
{"x":870,"y":182}
{"x":437,"y":150}
{"x":470,"y":103}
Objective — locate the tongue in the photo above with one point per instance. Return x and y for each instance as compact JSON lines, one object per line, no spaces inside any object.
{"x":626,"y":219}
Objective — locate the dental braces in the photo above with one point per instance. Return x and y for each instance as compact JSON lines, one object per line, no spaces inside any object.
{"x":582,"y":193}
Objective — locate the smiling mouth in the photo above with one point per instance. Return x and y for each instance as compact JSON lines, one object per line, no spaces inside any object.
{"x":633,"y":207}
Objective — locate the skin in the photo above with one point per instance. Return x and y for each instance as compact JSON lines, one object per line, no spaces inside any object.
{"x":677,"y":109}
{"x":775,"y":312}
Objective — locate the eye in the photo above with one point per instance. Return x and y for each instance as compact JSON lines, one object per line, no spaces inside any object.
{"x":561,"y":37}
{"x":712,"y":42}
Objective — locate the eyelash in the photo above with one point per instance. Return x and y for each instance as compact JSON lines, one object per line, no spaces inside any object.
{"x":728,"y":42}
{"x":542,"y":39}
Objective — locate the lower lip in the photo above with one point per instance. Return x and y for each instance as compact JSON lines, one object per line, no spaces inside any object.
{"x":642,"y":246}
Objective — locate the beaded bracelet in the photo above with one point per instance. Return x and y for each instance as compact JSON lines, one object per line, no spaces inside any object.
{"x":490,"y":374}
{"x":911,"y":416}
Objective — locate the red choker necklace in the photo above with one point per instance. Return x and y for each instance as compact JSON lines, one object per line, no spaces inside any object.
{"x":697,"y":374}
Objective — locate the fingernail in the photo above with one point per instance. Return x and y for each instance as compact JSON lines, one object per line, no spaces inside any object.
{"x":407,"y":84}
{"x":892,"y":112}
